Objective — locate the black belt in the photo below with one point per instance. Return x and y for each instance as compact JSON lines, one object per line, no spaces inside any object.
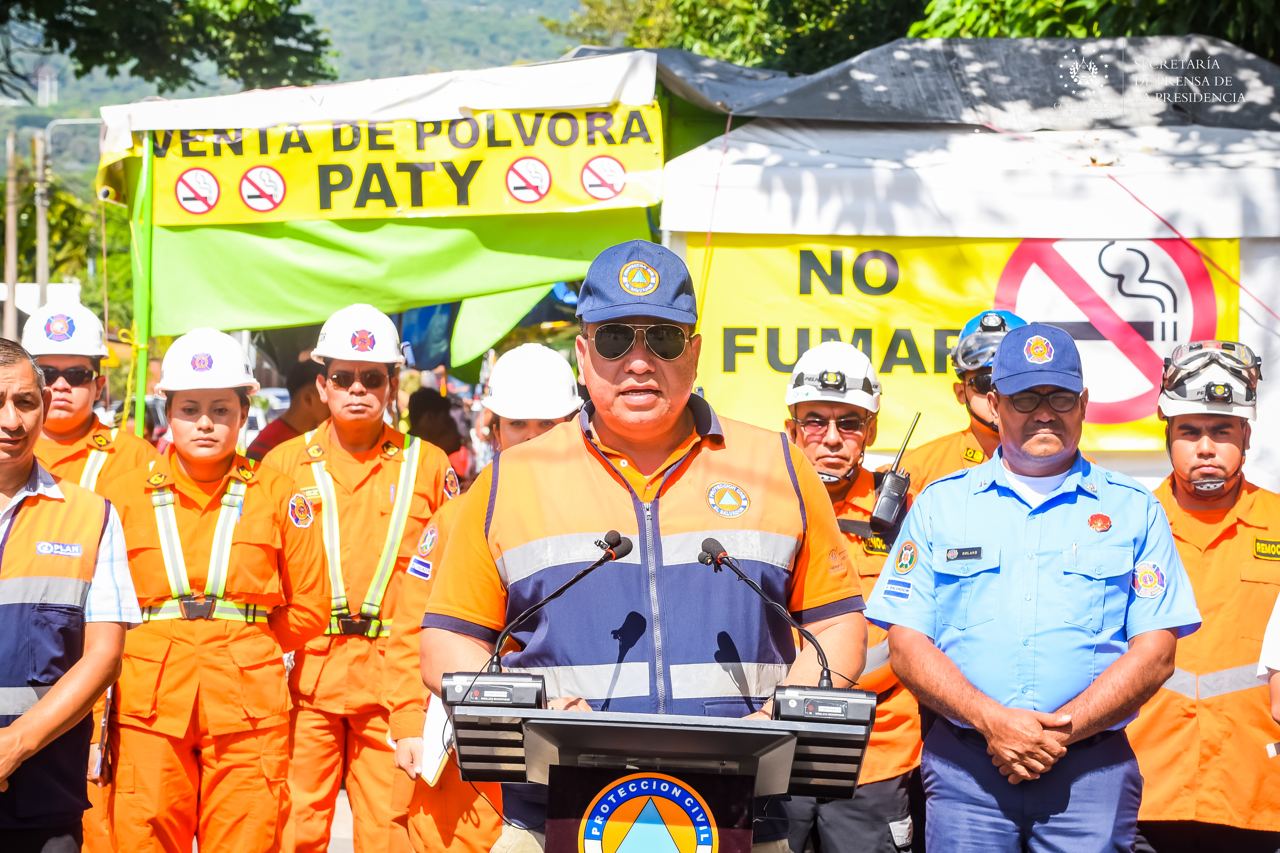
{"x":974,"y":736}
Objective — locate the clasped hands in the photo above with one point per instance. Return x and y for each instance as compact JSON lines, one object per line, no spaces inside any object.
{"x":1024,"y":745}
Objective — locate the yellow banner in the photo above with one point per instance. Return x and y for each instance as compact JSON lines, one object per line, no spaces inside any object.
{"x":490,"y":163}
{"x":903,"y":300}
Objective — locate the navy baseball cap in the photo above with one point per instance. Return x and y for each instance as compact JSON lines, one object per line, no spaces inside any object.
{"x":637,"y":279}
{"x":1037,"y":354}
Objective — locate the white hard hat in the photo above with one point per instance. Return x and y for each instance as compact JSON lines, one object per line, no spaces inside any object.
{"x":203,"y":359}
{"x":359,"y":332}
{"x":1212,"y":390}
{"x":835,"y":372}
{"x":64,"y":328}
{"x":532,"y":382}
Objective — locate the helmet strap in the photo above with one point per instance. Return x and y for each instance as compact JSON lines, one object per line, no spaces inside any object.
{"x":991,"y":425}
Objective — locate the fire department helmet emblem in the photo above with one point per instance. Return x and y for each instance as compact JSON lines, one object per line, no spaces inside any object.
{"x":59,"y":328}
{"x":362,"y":340}
{"x":1038,"y":350}
{"x":202,"y":362}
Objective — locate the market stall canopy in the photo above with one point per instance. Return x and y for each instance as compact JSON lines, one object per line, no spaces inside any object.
{"x":273,"y":208}
{"x":789,"y":177}
{"x":1011,"y":84}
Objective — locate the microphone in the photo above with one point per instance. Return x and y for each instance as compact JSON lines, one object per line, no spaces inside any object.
{"x":615,"y":547}
{"x":714,"y":555}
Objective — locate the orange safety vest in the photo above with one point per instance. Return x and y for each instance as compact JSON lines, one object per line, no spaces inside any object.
{"x":47,"y":561}
{"x":894,"y":748}
{"x":1201,"y":741}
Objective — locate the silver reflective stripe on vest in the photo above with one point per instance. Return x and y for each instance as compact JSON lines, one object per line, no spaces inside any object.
{"x":1212,"y":684}
{"x":69,"y":592}
{"x":596,"y":682}
{"x":712,"y":680}
{"x":877,"y":656}
{"x":175,"y":562}
{"x":774,"y":549}
{"x":93,"y":467}
{"x":371,"y":607}
{"x":19,"y":700}
{"x":528,"y":559}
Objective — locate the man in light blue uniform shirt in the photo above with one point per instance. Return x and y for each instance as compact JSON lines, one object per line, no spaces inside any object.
{"x":1034,"y":602}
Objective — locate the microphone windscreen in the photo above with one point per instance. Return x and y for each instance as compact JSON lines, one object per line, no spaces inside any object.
{"x":705,"y":558}
{"x":612,"y":538}
{"x":712,"y":547}
{"x":622,"y":549}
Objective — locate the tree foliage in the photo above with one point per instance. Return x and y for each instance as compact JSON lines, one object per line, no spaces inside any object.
{"x":254,"y":42}
{"x":1251,"y":24}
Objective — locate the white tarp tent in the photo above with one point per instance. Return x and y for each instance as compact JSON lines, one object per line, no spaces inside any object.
{"x":847,"y":182}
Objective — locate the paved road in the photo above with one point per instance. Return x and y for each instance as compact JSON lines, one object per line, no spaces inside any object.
{"x":340,"y":837}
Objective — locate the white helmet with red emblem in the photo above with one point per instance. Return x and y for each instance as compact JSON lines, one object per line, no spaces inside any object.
{"x":359,"y":332}
{"x":203,"y":359}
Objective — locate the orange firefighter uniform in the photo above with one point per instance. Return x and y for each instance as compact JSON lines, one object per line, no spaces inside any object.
{"x":230,"y":576}
{"x":451,"y":814}
{"x":372,"y":509}
{"x":894,"y":748}
{"x":1202,"y":739}
{"x":942,"y":456}
{"x":93,"y":461}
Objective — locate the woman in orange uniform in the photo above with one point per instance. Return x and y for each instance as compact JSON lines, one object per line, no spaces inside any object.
{"x":230,"y":576}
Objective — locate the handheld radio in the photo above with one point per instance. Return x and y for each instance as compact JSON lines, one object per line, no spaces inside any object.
{"x":893,"y":489}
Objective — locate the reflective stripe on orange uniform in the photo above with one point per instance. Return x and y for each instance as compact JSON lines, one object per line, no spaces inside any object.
{"x":942,"y":456}
{"x":202,"y":704}
{"x":895,"y":744}
{"x":112,"y":453}
{"x":452,"y":814}
{"x":340,"y":683}
{"x":1201,"y":740}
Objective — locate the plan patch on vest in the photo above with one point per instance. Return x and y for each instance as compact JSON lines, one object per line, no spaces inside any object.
{"x":728,"y":499}
{"x":1266,"y":549}
{"x":58,"y":549}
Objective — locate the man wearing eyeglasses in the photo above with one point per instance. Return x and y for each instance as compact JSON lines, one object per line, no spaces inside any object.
{"x":68,"y":344}
{"x":372,"y":491}
{"x":1202,"y":740}
{"x":834,"y":398}
{"x":971,"y":357}
{"x":1034,"y":603}
{"x":658,"y":632}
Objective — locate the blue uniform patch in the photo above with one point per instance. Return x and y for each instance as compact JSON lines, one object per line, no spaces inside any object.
{"x":420,"y":568}
{"x":895,"y":588}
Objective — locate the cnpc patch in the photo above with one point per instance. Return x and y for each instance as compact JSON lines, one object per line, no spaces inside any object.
{"x":647,"y":812}
{"x":728,"y":499}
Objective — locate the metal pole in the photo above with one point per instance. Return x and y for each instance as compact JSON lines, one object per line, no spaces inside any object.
{"x":42,"y":219}
{"x":11,"y":236}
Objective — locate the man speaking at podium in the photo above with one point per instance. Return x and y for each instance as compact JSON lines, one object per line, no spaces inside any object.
{"x":657,"y":632}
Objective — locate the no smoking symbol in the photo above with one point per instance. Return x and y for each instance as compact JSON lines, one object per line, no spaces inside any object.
{"x":197,"y":191}
{"x":528,"y":180}
{"x":604,"y":178}
{"x":262,"y":189}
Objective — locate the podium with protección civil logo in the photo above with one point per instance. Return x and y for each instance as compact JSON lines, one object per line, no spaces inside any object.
{"x":647,"y":783}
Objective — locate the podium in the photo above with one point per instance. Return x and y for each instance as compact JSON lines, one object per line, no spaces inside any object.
{"x":503,"y":734}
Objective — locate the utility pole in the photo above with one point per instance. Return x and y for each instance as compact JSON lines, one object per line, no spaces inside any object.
{"x":11,"y":236}
{"x":42,"y":218}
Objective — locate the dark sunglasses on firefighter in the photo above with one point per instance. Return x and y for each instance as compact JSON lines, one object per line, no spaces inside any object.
{"x":614,"y":340}
{"x":372,"y":380}
{"x":980,"y":382}
{"x":76,"y":376}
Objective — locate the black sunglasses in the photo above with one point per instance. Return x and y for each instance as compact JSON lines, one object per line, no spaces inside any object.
{"x":75,"y":376}
{"x":372,"y":380}
{"x":614,"y":340}
{"x":816,"y":426}
{"x":980,"y":382}
{"x":1028,"y":401}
